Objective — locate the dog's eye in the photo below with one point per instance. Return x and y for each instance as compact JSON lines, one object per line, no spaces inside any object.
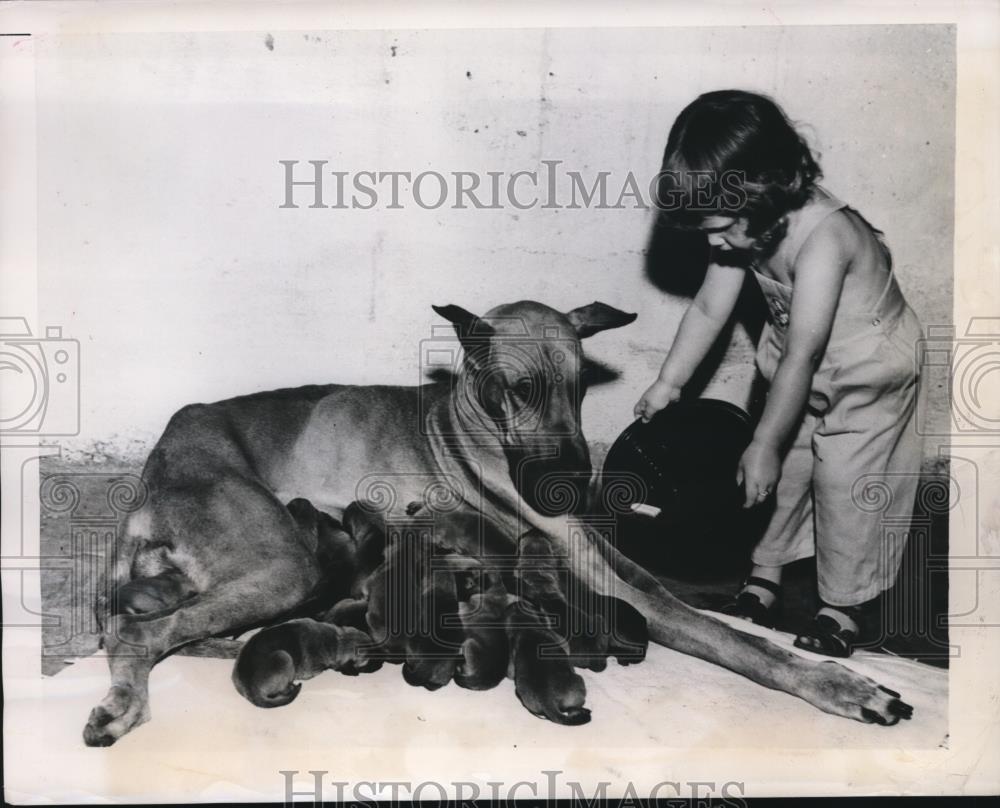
{"x":522,"y":389}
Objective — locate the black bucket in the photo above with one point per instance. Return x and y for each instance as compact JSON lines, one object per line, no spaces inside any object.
{"x":686,"y":458}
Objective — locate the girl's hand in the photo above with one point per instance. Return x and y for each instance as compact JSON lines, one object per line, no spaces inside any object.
{"x":658,"y":396}
{"x":759,"y":472}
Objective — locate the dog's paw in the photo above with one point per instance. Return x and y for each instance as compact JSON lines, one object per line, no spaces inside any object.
{"x":573,"y":717}
{"x":886,"y":709}
{"x":122,"y":710}
{"x":843,"y":692}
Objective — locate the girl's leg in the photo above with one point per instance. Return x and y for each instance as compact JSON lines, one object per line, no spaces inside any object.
{"x":789,"y":534}
{"x":764,"y":575}
{"x":865,"y":483}
{"x":864,"y":491}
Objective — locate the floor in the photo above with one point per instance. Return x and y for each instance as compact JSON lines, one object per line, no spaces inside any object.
{"x":673,"y":718}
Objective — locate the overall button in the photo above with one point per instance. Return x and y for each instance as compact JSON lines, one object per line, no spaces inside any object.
{"x":876,"y":321}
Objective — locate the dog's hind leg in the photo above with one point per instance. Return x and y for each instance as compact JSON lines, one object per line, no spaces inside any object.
{"x":136,"y":642}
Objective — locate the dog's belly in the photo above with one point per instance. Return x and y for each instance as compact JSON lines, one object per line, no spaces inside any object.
{"x":363,"y":443}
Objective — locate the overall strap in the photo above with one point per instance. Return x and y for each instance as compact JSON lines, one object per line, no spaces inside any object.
{"x":822,"y":208}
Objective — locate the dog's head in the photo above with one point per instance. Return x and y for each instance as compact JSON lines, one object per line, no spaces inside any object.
{"x":523,"y":369}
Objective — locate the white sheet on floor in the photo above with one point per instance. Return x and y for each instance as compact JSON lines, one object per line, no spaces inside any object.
{"x":205,"y":742}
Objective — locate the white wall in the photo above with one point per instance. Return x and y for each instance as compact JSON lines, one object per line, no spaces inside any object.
{"x":163,"y":250}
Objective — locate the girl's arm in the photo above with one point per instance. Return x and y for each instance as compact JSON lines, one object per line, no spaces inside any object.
{"x":700,"y":326}
{"x":819,"y":278}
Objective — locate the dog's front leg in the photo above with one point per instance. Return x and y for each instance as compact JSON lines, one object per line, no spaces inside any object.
{"x":827,"y":685}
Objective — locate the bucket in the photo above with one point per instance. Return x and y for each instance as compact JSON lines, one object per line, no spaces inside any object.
{"x":684,"y":463}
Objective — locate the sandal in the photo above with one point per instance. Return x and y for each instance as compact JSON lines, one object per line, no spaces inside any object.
{"x":831,"y":636}
{"x":748,"y":605}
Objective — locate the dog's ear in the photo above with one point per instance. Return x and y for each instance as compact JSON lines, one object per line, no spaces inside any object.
{"x":591,"y":319}
{"x":473,"y":332}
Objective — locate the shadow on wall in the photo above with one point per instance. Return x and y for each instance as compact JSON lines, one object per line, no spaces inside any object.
{"x":675,"y":263}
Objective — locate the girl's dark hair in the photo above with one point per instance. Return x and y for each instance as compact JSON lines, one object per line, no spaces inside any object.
{"x":734,"y":153}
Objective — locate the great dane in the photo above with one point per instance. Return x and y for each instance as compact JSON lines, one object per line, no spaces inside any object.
{"x":214,"y":551}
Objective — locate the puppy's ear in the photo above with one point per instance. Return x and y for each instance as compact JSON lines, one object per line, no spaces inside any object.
{"x":596,"y":317}
{"x":473,"y":332}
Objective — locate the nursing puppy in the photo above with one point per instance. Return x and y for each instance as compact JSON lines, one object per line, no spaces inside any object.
{"x":499,"y":635}
{"x":485,"y":652}
{"x":270,"y":667}
{"x":395,"y":607}
{"x":464,"y":530}
{"x":593,"y":626}
{"x":434,"y":646}
{"x":272,"y":663}
{"x":618,"y":630}
{"x":412,"y":599}
{"x":543,"y":675}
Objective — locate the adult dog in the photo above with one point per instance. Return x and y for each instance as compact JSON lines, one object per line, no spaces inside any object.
{"x":214,"y":550}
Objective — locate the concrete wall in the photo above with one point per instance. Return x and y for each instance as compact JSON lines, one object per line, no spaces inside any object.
{"x":163,"y":250}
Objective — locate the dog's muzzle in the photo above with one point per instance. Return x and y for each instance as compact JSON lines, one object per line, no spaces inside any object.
{"x":551,"y":485}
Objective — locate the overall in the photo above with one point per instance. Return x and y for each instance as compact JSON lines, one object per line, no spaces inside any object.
{"x":849,"y":480}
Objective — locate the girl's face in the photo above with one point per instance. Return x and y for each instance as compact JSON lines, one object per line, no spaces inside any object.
{"x":727,"y":233}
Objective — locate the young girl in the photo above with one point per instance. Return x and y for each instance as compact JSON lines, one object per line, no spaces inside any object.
{"x":838,"y":352}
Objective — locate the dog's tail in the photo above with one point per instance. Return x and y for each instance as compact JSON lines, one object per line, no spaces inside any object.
{"x":132,"y":536}
{"x":213,"y":648}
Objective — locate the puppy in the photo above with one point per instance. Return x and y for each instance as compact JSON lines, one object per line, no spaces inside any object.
{"x":271,"y":664}
{"x":434,"y":649}
{"x":335,"y":550}
{"x":369,"y":533}
{"x":544,"y":679}
{"x":464,"y":530}
{"x":412,"y":613}
{"x":352,"y":613}
{"x":618,"y":630}
{"x":593,"y":626}
{"x":485,"y":653}
{"x":482,"y":595}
